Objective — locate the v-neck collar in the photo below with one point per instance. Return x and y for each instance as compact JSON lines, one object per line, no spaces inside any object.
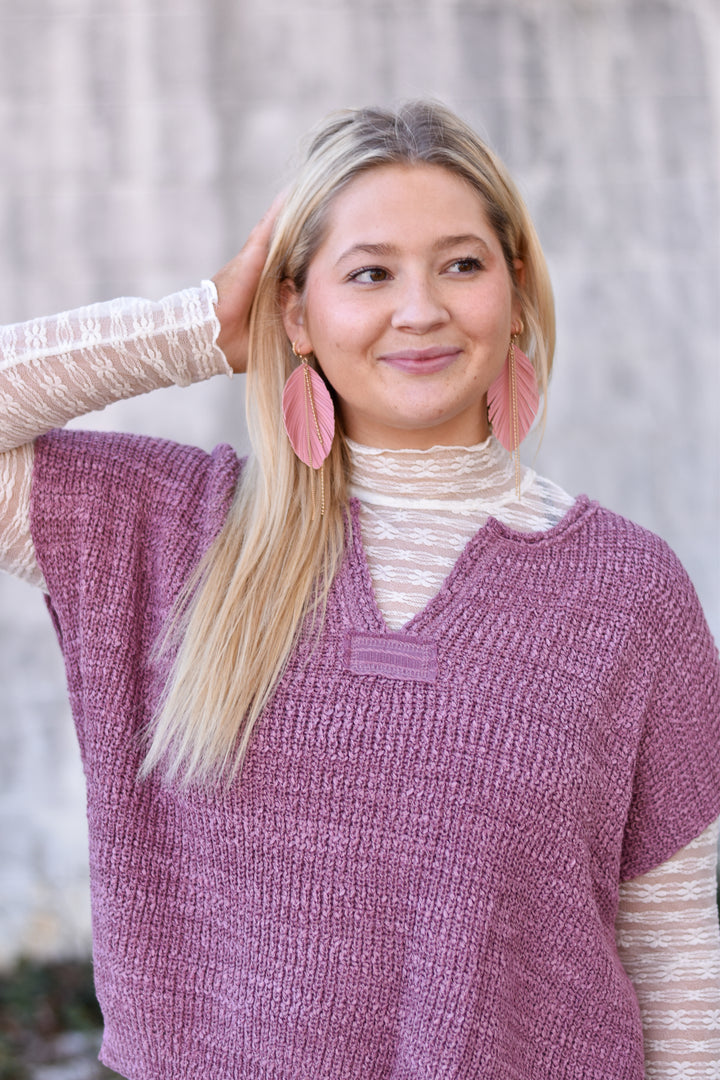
{"x":484,"y":540}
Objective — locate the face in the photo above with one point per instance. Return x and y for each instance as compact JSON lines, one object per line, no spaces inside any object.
{"x":408,"y":308}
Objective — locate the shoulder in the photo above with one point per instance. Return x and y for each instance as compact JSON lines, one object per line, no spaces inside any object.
{"x":643,"y":588}
{"x":94,"y":490}
{"x":612,"y":548}
{"x":80,"y":462}
{"x":638,"y":558}
{"x":603,"y":566}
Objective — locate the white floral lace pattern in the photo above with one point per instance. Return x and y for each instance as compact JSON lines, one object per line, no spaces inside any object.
{"x":669,"y":942}
{"x":17,"y":554}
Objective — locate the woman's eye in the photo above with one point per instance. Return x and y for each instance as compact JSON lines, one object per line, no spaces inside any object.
{"x":465,"y":266}
{"x":369,"y":275}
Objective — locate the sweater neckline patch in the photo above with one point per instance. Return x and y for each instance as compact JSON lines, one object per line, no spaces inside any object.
{"x":395,"y":655}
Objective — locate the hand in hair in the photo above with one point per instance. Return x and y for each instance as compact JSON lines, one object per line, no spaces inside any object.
{"x":236,"y":284}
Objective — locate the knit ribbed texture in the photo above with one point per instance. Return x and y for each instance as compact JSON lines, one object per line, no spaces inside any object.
{"x":412,"y":878}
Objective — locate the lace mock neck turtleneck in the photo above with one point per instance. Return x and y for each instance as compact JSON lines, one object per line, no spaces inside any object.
{"x":419,"y":508}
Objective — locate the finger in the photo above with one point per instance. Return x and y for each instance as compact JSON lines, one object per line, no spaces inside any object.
{"x":237,"y":281}
{"x":262,"y":231}
{"x":276,"y":205}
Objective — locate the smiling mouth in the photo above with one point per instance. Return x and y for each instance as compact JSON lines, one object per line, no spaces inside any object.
{"x":422,"y":361}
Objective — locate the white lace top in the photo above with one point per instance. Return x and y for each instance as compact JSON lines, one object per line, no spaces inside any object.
{"x":418,"y":510}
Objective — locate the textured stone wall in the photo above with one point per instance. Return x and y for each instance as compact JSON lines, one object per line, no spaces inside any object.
{"x":140,"y":139}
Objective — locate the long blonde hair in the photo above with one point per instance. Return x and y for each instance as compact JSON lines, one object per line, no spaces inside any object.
{"x":269,"y":571}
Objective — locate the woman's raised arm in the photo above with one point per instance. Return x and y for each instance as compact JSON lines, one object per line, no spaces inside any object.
{"x":58,"y":367}
{"x":61,"y":366}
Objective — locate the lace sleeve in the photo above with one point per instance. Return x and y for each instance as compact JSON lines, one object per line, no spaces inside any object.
{"x":58,"y":367}
{"x":669,"y":943}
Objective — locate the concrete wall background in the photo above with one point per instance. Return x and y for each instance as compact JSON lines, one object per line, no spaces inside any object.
{"x":139,"y":141}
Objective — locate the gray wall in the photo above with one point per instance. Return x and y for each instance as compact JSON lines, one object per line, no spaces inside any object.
{"x":140,"y":139}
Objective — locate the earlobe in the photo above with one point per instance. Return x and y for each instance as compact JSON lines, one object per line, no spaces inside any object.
{"x":291,"y":305}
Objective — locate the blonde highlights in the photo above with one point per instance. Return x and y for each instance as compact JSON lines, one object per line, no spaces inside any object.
{"x":266,"y":578}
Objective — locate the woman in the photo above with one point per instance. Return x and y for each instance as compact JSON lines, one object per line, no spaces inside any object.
{"x":371,"y":742}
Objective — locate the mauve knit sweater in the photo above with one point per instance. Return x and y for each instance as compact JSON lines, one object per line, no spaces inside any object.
{"x":416,"y":875}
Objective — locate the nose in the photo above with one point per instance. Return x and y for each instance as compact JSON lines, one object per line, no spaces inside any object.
{"x":419,"y":307}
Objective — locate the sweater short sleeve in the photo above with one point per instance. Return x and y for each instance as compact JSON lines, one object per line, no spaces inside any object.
{"x":676,"y":785}
{"x":109,"y":511}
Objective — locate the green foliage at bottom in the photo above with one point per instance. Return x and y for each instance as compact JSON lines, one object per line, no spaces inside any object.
{"x":39,"y":1002}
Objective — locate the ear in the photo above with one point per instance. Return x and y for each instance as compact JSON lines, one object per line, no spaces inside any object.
{"x":293,"y":317}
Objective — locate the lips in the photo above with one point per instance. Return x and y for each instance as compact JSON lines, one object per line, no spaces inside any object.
{"x":422,"y":361}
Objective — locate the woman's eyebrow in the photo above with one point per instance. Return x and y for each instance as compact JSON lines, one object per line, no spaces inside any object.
{"x":368,"y":249}
{"x":390,"y":249}
{"x":463,"y":238}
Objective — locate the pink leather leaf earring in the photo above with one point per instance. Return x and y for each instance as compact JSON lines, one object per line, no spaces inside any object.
{"x":513,"y":401}
{"x":308,"y":413}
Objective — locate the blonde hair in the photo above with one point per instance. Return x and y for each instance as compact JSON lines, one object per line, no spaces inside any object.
{"x":267,"y":576}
